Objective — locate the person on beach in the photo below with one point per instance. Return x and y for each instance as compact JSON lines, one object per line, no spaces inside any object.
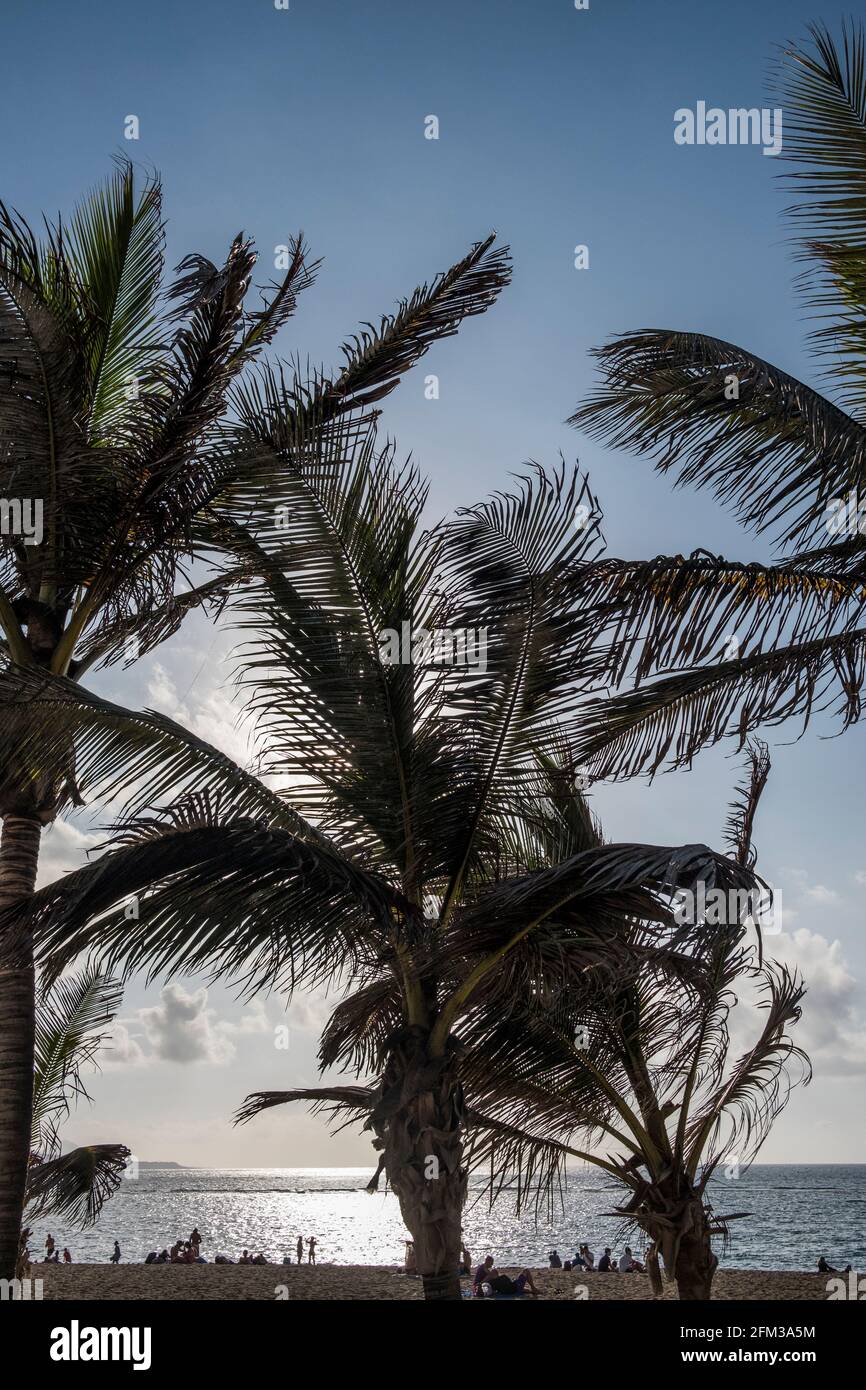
{"x":555,"y":1261}
{"x":824,"y":1268}
{"x":587,"y":1256}
{"x":195,"y":1240}
{"x":300,"y":1248}
{"x":67,"y":1258}
{"x":115,"y":1258}
{"x":465,"y":1261}
{"x":482,"y":1274}
{"x":311,"y":1244}
{"x":49,"y":1247}
{"x":628,"y":1264}
{"x":604,"y":1264}
{"x":246,"y":1259}
{"x":514,"y":1288}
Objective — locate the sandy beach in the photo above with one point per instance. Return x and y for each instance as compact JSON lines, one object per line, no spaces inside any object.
{"x":372,"y":1282}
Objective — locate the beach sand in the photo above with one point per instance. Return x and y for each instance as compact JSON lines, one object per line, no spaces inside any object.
{"x":372,"y":1282}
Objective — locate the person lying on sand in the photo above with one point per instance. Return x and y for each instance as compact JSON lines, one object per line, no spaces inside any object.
{"x":824,"y":1268}
{"x":488,"y":1274}
{"x":516,"y":1288}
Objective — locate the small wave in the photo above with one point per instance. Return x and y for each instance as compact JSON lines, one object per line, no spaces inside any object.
{"x":249,"y":1191}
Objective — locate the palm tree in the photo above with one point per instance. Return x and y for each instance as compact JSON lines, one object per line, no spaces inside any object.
{"x":644,"y":1070}
{"x":117,"y":419}
{"x":72,"y":1023}
{"x":378,"y":847}
{"x":788,"y":459}
{"x":621,"y":1029}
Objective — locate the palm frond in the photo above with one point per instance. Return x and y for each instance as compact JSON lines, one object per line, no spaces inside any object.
{"x":773,"y":449}
{"x":759,"y":1084}
{"x":76,"y":1185}
{"x":741,"y":821}
{"x":665,"y":723}
{"x":72,"y":1022}
{"x":114,"y":242}
{"x":822,"y":86}
{"x":193,"y":892}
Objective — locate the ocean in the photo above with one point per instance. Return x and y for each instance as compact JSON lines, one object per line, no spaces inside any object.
{"x":797,"y":1214}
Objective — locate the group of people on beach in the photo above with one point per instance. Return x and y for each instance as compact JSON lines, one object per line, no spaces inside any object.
{"x":489,"y":1282}
{"x":52,"y":1254}
{"x":188,"y":1252}
{"x":585,"y":1259}
{"x":183,"y":1252}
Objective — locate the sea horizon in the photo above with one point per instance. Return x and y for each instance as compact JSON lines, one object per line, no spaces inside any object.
{"x":265,"y":1209}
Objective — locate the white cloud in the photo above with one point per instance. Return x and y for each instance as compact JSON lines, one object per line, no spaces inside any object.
{"x":832,"y":1029}
{"x":183,"y":1029}
{"x":121,"y":1049}
{"x":64,"y":847}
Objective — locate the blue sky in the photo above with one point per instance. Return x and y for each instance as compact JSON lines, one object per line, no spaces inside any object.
{"x":556,"y":129}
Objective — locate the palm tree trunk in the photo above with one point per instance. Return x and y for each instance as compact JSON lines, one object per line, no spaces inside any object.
{"x":19,"y":854}
{"x":696,"y":1265}
{"x":423,"y":1156}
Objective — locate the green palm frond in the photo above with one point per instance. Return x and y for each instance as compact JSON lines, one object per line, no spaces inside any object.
{"x":823,"y":88}
{"x":114,"y":242}
{"x":335,"y":567}
{"x":72,"y":1022}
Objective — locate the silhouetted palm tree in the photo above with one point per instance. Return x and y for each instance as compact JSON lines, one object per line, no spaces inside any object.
{"x":786,"y":458}
{"x":117,"y":417}
{"x":635,"y":1077}
{"x":384,"y":845}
